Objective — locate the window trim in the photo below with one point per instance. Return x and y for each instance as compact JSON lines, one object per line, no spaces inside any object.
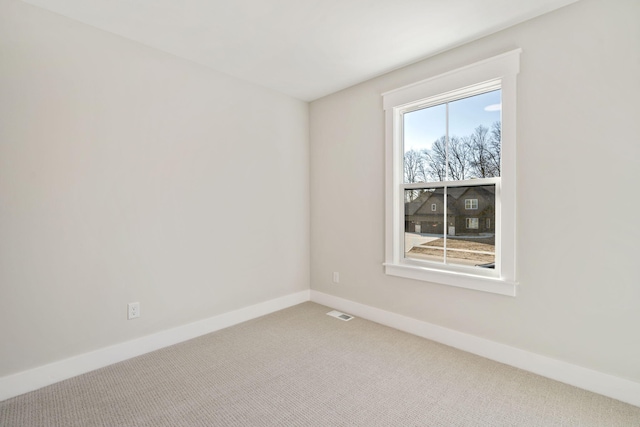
{"x":471,"y":204}
{"x":438,"y":89}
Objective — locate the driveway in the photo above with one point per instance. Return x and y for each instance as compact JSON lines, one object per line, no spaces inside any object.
{"x":415,"y":239}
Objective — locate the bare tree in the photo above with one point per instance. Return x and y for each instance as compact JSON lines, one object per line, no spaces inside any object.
{"x":495,"y":145}
{"x":412,"y":165}
{"x":458,"y":158}
{"x":484,"y":161}
{"x":436,"y":160}
{"x":423,"y":168}
{"x":473,"y":156}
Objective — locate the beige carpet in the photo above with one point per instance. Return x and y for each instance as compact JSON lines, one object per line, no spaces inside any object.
{"x":300,"y":367}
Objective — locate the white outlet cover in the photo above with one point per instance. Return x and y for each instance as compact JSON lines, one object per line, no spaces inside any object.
{"x":133,"y":310}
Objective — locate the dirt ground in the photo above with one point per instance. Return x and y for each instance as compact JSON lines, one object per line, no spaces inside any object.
{"x":483,"y":245}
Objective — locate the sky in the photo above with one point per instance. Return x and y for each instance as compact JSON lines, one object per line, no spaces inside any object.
{"x":423,"y":127}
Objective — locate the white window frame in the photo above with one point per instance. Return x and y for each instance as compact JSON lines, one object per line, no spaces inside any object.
{"x":433,"y":207}
{"x":502,"y":70}
{"x":471,"y":204}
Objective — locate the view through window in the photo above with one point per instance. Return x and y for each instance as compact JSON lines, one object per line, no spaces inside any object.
{"x":451,"y":172}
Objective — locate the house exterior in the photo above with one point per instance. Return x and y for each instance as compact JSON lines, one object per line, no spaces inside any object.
{"x":470,"y":211}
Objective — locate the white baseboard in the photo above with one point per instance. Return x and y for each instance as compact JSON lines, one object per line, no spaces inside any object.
{"x":597,"y":382}
{"x":33,"y":379}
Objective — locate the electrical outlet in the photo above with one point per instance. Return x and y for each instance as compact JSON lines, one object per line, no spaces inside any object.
{"x":134,"y":310}
{"x":336,"y":277}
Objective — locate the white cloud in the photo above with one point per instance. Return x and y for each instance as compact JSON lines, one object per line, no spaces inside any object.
{"x":493,"y":107}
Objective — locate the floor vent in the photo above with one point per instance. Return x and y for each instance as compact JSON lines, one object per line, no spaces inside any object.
{"x":341,"y":316}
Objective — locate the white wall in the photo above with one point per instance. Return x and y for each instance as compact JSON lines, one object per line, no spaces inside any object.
{"x":127,"y":174}
{"x":577,"y":161}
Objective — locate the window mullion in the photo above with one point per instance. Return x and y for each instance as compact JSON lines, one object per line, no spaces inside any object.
{"x":446,"y":177}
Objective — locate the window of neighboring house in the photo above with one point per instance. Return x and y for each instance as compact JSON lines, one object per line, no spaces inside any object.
{"x":453,"y":136}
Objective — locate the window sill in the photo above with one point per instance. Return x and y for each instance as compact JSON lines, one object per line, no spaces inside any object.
{"x":461,"y":280}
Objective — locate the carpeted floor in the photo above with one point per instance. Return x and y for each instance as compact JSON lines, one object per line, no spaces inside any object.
{"x":300,"y":367}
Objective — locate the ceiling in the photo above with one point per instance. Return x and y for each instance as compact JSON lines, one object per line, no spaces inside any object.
{"x":302,"y":48}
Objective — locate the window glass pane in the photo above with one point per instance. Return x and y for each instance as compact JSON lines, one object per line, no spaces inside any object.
{"x":471,"y":233}
{"x":424,"y":133}
{"x":423,"y":224}
{"x":475,"y":136}
{"x":471,"y":203}
{"x":466,"y":238}
{"x":472,"y":149}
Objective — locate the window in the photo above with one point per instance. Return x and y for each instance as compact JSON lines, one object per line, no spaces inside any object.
{"x":450,"y":141}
